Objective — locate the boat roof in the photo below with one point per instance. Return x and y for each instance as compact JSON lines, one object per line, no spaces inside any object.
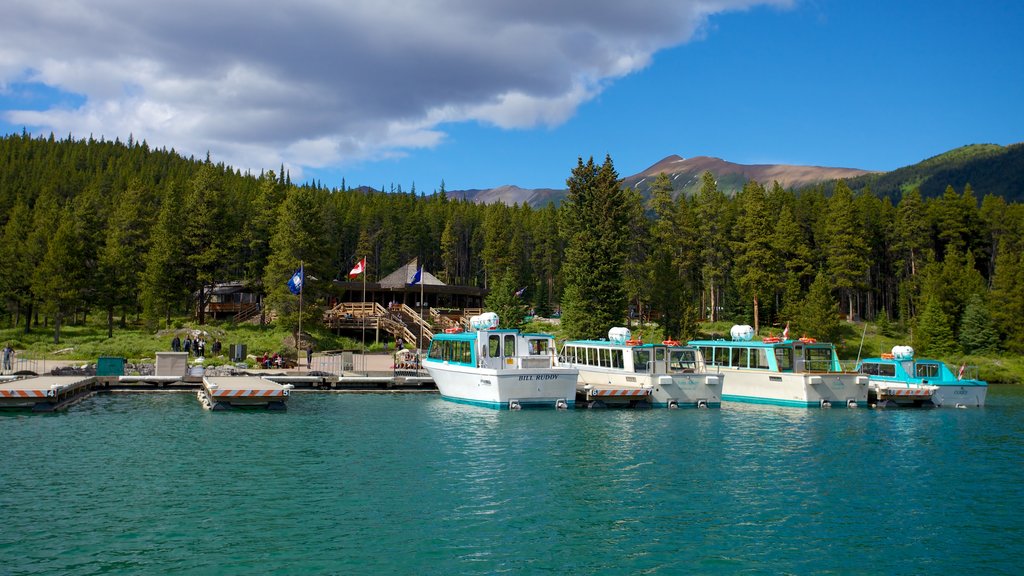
{"x":624,"y":345}
{"x":760,"y":343}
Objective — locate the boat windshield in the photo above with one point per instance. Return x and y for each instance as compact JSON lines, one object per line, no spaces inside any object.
{"x":682,"y":360}
{"x":818,"y":359}
{"x":641,"y":359}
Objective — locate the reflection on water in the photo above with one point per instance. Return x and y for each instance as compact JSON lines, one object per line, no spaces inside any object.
{"x":415,"y":484}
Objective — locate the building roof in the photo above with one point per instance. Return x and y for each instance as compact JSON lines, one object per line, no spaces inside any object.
{"x":403,"y":276}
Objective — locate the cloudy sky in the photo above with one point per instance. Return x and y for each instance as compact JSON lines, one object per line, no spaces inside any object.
{"x":485,"y":93}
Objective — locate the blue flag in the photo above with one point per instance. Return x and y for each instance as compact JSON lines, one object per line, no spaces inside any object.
{"x":417,"y":276}
{"x":520,"y":291}
{"x":295,"y":282}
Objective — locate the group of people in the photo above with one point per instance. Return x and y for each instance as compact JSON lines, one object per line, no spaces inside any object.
{"x":195,"y":347}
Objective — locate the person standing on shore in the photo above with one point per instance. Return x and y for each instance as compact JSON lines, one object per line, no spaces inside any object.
{"x":309,"y":357}
{"x":176,"y":344}
{"x":188,"y":344}
{"x":8,"y":357}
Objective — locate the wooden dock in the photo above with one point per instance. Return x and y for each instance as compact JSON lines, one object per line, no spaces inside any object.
{"x":45,"y":393}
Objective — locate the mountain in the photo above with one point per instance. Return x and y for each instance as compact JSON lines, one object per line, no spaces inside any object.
{"x":510,"y":195}
{"x":685,"y":175}
{"x":988,"y":168}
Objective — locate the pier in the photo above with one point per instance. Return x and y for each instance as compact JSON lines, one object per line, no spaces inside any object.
{"x":45,"y":393}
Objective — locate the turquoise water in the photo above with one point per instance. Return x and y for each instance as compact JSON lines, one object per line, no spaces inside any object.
{"x":411,"y":484}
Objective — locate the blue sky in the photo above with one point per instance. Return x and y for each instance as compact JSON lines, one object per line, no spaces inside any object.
{"x":413,"y":93}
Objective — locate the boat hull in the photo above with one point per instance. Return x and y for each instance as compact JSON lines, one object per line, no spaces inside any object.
{"x":794,"y":389}
{"x":498,"y":389}
{"x":677,"y":390}
{"x":960,"y":395}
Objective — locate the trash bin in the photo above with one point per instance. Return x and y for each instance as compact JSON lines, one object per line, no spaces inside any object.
{"x":238,"y":352}
{"x":110,"y":366}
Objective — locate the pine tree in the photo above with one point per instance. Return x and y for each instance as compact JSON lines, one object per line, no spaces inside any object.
{"x":594,"y":216}
{"x":977,"y":336}
{"x":845,"y":249}
{"x":818,"y":314}
{"x":163,"y":282}
{"x":59,"y":280}
{"x":665,"y":282}
{"x":755,"y":263}
{"x":711,"y":210}
{"x":934,"y":334}
{"x":502,"y":301}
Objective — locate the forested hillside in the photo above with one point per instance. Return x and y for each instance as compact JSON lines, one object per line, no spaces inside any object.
{"x":90,"y":227}
{"x":993,"y":169}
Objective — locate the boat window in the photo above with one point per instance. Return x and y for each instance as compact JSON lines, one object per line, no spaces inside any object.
{"x":538,"y":347}
{"x":739,"y":358}
{"x":510,"y":345}
{"x":435,"y":349}
{"x":682,"y":360}
{"x":869,"y":368}
{"x":659,"y":354}
{"x":494,"y":345}
{"x":818,"y":359}
{"x":759,"y":358}
{"x":709,"y":355}
{"x":886,"y":369}
{"x":617,"y":359}
{"x":926,"y":370}
{"x":606,"y":357}
{"x":641,"y":358}
{"x":466,"y":352}
{"x":784,"y":359}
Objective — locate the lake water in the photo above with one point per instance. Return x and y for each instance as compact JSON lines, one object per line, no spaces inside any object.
{"x":411,"y":484}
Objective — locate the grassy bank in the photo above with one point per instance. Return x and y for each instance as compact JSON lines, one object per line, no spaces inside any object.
{"x":87,"y":342}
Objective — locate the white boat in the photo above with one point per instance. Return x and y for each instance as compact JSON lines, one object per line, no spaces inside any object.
{"x":624,"y":372}
{"x":898,"y":378}
{"x":499,"y":368}
{"x":784,"y":372}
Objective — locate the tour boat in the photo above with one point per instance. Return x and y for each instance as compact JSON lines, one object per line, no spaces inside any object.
{"x":620,"y":371}
{"x":900,"y":379}
{"x":499,"y":368}
{"x":785,"y":372}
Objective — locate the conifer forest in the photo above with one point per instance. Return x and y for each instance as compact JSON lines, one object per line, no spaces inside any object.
{"x":111,"y":228}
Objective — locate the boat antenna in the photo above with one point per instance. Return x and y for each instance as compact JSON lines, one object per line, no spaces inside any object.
{"x":862,"y":334}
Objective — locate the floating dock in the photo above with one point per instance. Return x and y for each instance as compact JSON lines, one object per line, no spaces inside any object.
{"x":45,"y":393}
{"x":595,"y":395}
{"x":227,"y":392}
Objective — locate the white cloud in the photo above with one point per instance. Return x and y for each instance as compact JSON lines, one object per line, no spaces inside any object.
{"x":318,"y":83}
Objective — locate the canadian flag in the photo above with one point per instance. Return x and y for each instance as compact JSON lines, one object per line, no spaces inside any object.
{"x":785,"y":332}
{"x":960,"y":373}
{"x":360,"y":267}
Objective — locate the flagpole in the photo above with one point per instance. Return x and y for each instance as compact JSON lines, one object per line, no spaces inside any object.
{"x":422,"y":320}
{"x":298,"y":339}
{"x":362,"y":337}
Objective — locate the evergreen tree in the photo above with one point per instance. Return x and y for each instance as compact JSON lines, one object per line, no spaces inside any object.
{"x":502,"y":300}
{"x":755,"y":262}
{"x":665,"y":282}
{"x":819,"y":315}
{"x":594,"y":215}
{"x":977,"y":336}
{"x":204,"y":236}
{"x":163,"y":283}
{"x":934,"y":334}
{"x":60,"y":279}
{"x":296,"y":241}
{"x":711,"y":211}
{"x":121,"y":260}
{"x":15,"y":268}
{"x":845,"y":249}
